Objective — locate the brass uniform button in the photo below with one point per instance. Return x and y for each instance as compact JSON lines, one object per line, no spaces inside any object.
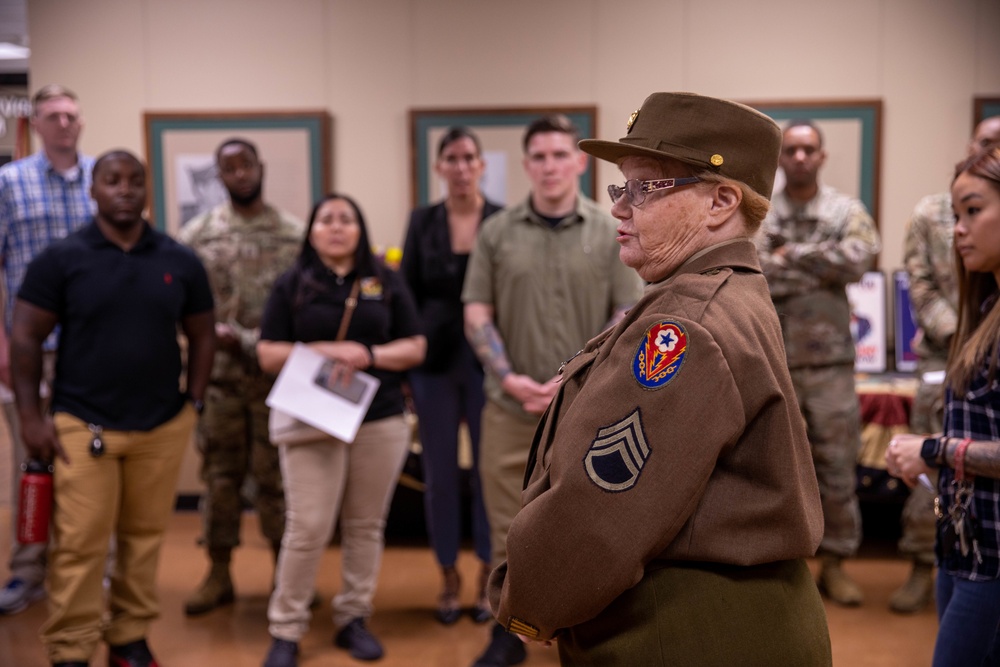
{"x":716,"y":160}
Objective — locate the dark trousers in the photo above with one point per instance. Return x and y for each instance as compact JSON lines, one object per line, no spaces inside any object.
{"x":970,"y":617}
{"x":442,"y":401}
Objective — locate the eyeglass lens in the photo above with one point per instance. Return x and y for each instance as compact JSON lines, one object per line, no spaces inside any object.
{"x":633,"y":188}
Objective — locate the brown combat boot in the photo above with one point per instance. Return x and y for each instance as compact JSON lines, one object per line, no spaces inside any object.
{"x":215,"y":591}
{"x":916,"y":593}
{"x":836,"y":585}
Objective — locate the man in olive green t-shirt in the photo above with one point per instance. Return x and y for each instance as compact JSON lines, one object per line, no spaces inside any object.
{"x":543,"y":279}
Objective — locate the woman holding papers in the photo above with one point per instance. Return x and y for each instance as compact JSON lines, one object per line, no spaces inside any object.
{"x":337,"y":282}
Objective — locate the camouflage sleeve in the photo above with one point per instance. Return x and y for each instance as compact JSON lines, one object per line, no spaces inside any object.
{"x":842,"y":259}
{"x":188,"y":234}
{"x":248,"y":340}
{"x":923,"y":253}
{"x":783,"y":280}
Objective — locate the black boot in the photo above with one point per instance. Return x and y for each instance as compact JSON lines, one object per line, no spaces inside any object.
{"x":504,"y":649}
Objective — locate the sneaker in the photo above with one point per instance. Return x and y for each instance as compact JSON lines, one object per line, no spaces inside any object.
{"x":283,"y":653}
{"x":133,"y":654}
{"x":18,"y":594}
{"x":504,"y":649}
{"x":359,"y":641}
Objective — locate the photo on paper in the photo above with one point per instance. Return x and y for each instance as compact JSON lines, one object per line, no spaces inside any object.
{"x":325,"y":377}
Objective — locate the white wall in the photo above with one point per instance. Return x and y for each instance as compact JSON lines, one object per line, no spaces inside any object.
{"x":369,"y":62}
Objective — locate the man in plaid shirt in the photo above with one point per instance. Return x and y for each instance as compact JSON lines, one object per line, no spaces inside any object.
{"x":43,"y":198}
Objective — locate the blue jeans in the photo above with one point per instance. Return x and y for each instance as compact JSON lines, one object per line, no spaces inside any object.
{"x":969,"y":614}
{"x":442,"y":400}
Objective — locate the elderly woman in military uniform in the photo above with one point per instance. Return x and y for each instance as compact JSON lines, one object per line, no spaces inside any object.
{"x":670,"y":498}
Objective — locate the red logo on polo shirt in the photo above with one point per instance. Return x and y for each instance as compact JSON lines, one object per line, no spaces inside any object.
{"x":167,"y":278}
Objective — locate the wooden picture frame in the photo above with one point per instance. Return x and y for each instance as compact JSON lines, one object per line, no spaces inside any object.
{"x":294,"y":147}
{"x":983,"y":108}
{"x":500,"y":131}
{"x":852,"y":132}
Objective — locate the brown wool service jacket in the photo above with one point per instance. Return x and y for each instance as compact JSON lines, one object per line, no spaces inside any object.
{"x":675,"y":436}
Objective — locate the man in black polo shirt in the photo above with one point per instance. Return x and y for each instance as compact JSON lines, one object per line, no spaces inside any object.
{"x":118,"y":290}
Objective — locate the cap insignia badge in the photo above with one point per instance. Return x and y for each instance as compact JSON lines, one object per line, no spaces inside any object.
{"x":631,"y":121}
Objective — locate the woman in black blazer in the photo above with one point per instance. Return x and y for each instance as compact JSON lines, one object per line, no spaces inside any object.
{"x":448,"y":387}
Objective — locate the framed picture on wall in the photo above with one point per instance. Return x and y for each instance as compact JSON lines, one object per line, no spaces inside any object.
{"x":984,"y":107}
{"x":294,"y":147}
{"x":500,"y":131}
{"x":852,"y":138}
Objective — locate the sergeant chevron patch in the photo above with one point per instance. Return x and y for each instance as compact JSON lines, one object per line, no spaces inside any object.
{"x":618,"y":454}
{"x":660,"y":354}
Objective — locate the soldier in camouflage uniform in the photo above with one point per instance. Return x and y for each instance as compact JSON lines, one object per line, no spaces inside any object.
{"x":245,"y":244}
{"x":814,"y":242}
{"x":930,"y":263}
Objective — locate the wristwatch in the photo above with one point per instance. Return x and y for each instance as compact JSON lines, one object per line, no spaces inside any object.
{"x":930,"y":451}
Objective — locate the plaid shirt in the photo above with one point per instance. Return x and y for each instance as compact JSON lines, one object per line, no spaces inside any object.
{"x":38,"y":206}
{"x":974,"y":414}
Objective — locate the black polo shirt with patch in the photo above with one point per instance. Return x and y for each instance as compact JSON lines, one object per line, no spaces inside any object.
{"x":119,"y":360}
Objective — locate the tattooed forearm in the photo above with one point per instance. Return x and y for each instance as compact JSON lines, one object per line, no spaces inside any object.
{"x":982,"y":458}
{"x":490,"y":350}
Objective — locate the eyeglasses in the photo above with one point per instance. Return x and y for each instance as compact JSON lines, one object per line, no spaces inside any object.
{"x":636,"y":189}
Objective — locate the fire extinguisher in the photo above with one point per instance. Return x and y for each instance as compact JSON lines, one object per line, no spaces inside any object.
{"x":35,"y":505}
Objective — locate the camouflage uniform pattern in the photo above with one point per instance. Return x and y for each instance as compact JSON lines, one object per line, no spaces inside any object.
{"x":828,"y":242}
{"x":243,"y":258}
{"x":930,"y":264}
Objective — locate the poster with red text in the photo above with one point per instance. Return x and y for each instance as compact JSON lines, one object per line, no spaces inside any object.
{"x":868,"y":322}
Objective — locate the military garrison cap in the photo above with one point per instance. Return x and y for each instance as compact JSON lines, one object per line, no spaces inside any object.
{"x":730,"y":139}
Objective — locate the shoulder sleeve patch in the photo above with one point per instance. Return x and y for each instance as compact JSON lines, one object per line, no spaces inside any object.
{"x":660,"y":354}
{"x":618,"y":454}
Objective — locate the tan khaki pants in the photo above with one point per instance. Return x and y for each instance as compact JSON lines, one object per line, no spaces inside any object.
{"x":504,"y":446}
{"x":129,"y":493}
{"x":358,"y":479}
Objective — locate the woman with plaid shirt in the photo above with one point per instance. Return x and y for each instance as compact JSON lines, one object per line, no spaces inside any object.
{"x":968,"y":451}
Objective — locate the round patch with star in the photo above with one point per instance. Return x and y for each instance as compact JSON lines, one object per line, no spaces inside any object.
{"x":660,"y":354}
